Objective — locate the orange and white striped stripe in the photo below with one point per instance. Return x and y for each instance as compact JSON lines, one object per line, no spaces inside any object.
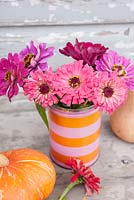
{"x":74,"y":134}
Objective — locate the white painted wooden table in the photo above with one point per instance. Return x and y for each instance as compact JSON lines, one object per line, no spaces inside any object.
{"x":110,"y":22}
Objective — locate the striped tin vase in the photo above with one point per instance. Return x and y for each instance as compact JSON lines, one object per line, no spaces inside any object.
{"x":74,"y":133}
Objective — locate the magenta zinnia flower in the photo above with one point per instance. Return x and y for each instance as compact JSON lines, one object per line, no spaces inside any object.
{"x":86,"y":51}
{"x":109,"y":92}
{"x":112,"y":61}
{"x":12,"y":74}
{"x":73,"y":83}
{"x":40,"y":88}
{"x":84,"y":175}
{"x":35,"y":57}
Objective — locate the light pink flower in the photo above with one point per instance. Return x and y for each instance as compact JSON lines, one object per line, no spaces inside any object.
{"x":40,"y":88}
{"x":112,"y":62}
{"x":73,"y":82}
{"x":109,"y":92}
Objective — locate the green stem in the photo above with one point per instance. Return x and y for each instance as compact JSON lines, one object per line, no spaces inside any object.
{"x":68,"y":188}
{"x":43,"y":115}
{"x":84,"y":104}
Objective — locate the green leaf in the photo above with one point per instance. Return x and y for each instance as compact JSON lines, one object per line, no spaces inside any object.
{"x":75,"y":106}
{"x":42,"y":112}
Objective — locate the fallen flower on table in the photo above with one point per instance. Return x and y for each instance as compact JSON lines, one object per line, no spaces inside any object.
{"x":81,"y":175}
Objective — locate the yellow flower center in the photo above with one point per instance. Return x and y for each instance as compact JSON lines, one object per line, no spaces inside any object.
{"x":120,"y":69}
{"x":74,"y":81}
{"x":7,"y":76}
{"x":27,"y":59}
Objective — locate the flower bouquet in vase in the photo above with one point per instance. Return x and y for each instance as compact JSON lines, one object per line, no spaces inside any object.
{"x":75,"y":94}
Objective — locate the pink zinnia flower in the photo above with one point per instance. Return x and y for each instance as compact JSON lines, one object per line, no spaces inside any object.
{"x":86,"y":51}
{"x":112,"y":61}
{"x":109,"y":92}
{"x":12,"y":74}
{"x":40,"y":88}
{"x":73,"y":82}
{"x":36,"y":56}
{"x":84,"y":175}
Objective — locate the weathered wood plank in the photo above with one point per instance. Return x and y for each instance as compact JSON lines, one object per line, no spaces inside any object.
{"x":117,"y":37}
{"x":49,"y":12}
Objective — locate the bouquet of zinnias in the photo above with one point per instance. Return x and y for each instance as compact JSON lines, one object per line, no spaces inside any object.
{"x":98,"y":77}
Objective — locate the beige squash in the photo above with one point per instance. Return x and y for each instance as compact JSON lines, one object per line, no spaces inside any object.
{"x":122,"y":120}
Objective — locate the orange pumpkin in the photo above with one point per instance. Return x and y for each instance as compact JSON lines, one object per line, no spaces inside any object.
{"x":25,"y":174}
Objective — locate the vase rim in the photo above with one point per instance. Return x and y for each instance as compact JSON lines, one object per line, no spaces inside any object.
{"x":69,"y":110}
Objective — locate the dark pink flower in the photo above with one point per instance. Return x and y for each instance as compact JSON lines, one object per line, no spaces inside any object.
{"x":36,"y":56}
{"x":40,"y":88}
{"x":85,"y":175}
{"x":12,"y":74}
{"x":86,"y":51}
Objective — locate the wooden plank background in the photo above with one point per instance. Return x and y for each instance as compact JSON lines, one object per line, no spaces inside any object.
{"x":65,"y":12}
{"x":57,"y":21}
{"x":110,"y":22}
